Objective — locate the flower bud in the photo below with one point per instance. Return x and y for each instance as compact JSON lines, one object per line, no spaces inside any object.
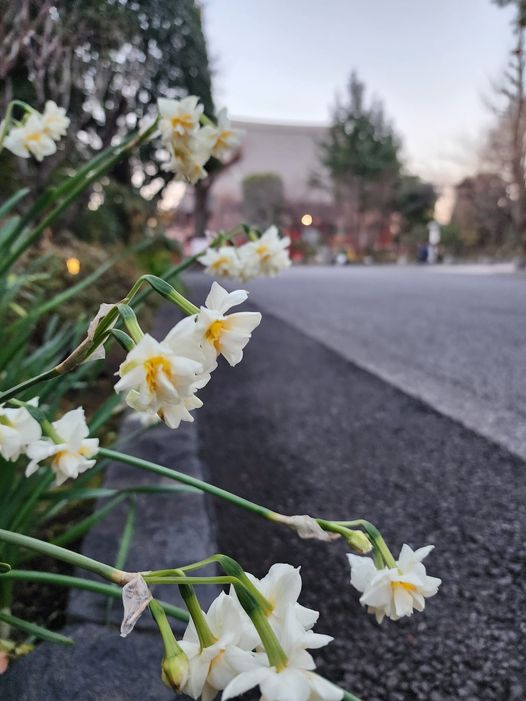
{"x":359,"y":542}
{"x":174,"y":670}
{"x":174,"y":665}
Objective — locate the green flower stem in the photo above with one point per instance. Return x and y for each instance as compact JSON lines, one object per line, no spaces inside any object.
{"x":8,"y":116}
{"x":258,"y":615}
{"x":186,"y":479}
{"x":181,"y":578}
{"x":206,"y":637}
{"x":206,"y":121}
{"x":131,"y":322}
{"x":357,"y":540}
{"x":17,"y":389}
{"x":171,"y":648}
{"x":6,"y":123}
{"x":50,"y":431}
{"x":159,"y":616}
{"x":112,"y":574}
{"x":234,"y":574}
{"x":165,"y":290}
{"x":174,"y":665}
{"x":216,"y":491}
{"x":380,"y":546}
{"x":234,"y":569}
{"x":347,"y":696}
{"x":275,"y":653}
{"x":64,"y":580}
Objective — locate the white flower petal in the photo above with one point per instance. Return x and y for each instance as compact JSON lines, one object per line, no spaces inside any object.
{"x":244,"y":682}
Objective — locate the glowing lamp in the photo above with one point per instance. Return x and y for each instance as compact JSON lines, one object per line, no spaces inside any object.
{"x":73,"y":266}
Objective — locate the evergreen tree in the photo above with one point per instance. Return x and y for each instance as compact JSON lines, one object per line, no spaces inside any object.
{"x":362,"y":156}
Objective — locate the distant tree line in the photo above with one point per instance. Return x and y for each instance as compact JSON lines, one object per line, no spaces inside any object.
{"x":489,"y":215}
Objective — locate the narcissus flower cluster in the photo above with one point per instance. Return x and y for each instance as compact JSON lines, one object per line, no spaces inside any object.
{"x":162,"y":377}
{"x":192,"y":139}
{"x":69,"y":449}
{"x":18,"y":429}
{"x":237,"y":660}
{"x":66,"y":446}
{"x":396,"y":591}
{"x":265,"y":256}
{"x":37,"y":135}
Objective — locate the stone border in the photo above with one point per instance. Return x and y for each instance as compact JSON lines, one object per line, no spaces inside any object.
{"x":169,"y":530}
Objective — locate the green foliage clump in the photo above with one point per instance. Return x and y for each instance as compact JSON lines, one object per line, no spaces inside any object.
{"x":263,"y":199}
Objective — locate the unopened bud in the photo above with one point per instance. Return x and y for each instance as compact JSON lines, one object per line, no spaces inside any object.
{"x":359,"y":542}
{"x":174,"y":665}
{"x":174,"y":671}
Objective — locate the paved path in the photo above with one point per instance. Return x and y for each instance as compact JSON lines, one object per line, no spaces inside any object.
{"x":301,"y":428}
{"x":455,"y":339}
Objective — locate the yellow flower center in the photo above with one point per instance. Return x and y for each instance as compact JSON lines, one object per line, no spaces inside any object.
{"x":223,"y":260}
{"x":183,"y":120}
{"x":263,"y":252}
{"x":153,"y":366}
{"x":217,"y":659}
{"x":55,"y":460}
{"x":214,"y":332}
{"x":403,"y":585}
{"x":221,"y":141}
{"x":34,"y":136}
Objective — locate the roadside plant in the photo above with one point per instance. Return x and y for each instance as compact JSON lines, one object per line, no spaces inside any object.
{"x":255,"y":633}
{"x":263,"y":255}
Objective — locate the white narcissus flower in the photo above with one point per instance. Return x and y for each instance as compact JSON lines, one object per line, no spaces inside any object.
{"x":227,"y":140}
{"x":189,"y":145}
{"x":159,"y":379}
{"x":296,"y":681}
{"x":18,"y":429}
{"x":269,"y":255}
{"x":189,"y":156}
{"x":222,"y":334}
{"x":210,"y":668}
{"x":223,"y":262}
{"x":30,"y":139}
{"x":71,"y":456}
{"x":179,"y":117}
{"x":281,"y":587}
{"x":394,"y":592}
{"x":54,"y":120}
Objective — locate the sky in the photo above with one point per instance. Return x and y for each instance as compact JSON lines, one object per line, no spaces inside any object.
{"x":432,"y":62}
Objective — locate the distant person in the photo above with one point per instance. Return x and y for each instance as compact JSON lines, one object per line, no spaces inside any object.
{"x":422,"y":253}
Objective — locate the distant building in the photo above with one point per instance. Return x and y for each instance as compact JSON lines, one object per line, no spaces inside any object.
{"x":310,"y":215}
{"x":291,"y":151}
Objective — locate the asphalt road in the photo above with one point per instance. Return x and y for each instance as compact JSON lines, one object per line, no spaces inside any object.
{"x":457,"y":341}
{"x":300,"y":427}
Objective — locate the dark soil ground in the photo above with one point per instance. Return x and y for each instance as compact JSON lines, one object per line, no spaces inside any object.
{"x":301,"y":430}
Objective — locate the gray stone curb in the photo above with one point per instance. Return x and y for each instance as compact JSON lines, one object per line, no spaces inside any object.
{"x":170,"y":530}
